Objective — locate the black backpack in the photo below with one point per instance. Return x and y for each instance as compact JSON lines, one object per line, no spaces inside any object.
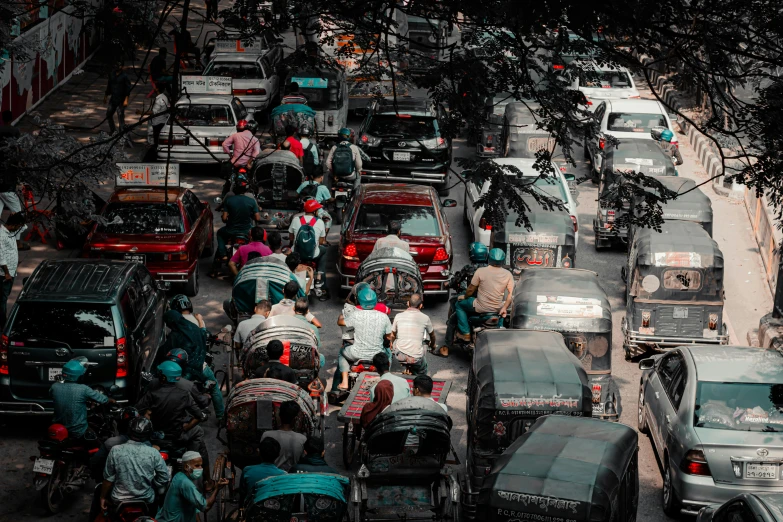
{"x":308,"y":162}
{"x":310,"y":190}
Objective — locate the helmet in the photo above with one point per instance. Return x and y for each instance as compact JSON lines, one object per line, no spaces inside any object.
{"x":58,"y":432}
{"x":344,"y":132}
{"x":667,"y":135}
{"x":305,"y":132}
{"x":73,"y":369}
{"x":241,"y":125}
{"x":180,"y":302}
{"x":252,"y":126}
{"x":140,"y":429}
{"x":496,"y":257}
{"x":311,"y":206}
{"x":179,"y":356}
{"x":478,"y":252}
{"x":170,"y":371}
{"x":366,"y":296}
{"x":241,"y":181}
{"x":128,"y":414}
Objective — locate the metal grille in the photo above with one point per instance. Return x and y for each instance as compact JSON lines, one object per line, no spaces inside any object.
{"x":691,"y":326}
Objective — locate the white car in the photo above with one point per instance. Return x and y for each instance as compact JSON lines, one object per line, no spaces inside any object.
{"x":254,"y":78}
{"x":625,"y":119}
{"x":601,"y":82}
{"x":553,"y":186}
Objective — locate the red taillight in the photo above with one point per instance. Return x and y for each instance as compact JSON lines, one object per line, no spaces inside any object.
{"x":4,"y":356}
{"x":610,"y":216}
{"x":215,"y":142}
{"x":174,"y":141}
{"x":441,"y":141}
{"x":576,"y":224}
{"x":694,"y":463}
{"x":364,"y":138}
{"x":558,"y":67}
{"x":596,"y":393}
{"x":490,"y":138}
{"x":350,"y":252}
{"x":403,"y":115}
{"x":440,"y":255}
{"x":122,"y":358}
{"x":484,"y":225}
{"x":164,"y":455}
{"x":601,"y":143}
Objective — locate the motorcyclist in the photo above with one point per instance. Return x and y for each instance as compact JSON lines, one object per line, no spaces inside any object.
{"x":173,"y":411}
{"x":244,"y":148}
{"x":98,"y":461}
{"x":134,"y":470}
{"x":408,"y":332}
{"x":307,"y":234}
{"x":182,"y":304}
{"x":479,"y":254}
{"x":239,"y":215}
{"x":671,"y":149}
{"x":345,"y":159}
{"x":488,"y":284}
{"x":370,"y":329}
{"x":180,"y":356}
{"x":70,"y":401}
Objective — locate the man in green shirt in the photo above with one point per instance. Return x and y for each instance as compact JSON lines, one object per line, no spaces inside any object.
{"x":183,"y":499}
{"x":269,"y":451}
{"x":240,"y":212}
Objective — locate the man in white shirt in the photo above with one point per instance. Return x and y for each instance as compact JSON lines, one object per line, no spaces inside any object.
{"x":318,"y":248}
{"x":9,"y":259}
{"x":393,"y":239}
{"x":159,"y":112}
{"x":246,"y":327}
{"x":408,"y":332}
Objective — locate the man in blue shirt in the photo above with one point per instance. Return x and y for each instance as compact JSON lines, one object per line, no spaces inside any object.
{"x":269,"y":451}
{"x":70,"y":400}
{"x":183,"y":499}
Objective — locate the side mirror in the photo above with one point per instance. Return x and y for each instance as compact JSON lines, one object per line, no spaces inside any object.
{"x":449,"y":203}
{"x":569,"y":177}
{"x":655,"y":132}
{"x":647,"y":364}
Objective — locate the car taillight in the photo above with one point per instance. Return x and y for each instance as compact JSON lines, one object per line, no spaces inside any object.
{"x":258,"y":92}
{"x":174,"y":141}
{"x":484,"y":225}
{"x":4,"y":356}
{"x":601,"y":143}
{"x":164,"y":455}
{"x":122,"y":358}
{"x":440,"y":255}
{"x":646,"y":316}
{"x":576,"y":224}
{"x":441,"y":141}
{"x":694,"y":463}
{"x":176,"y":256}
{"x":610,"y":216}
{"x":713,"y":322}
{"x":364,"y":138}
{"x":558,"y":67}
{"x":215,"y":142}
{"x":350,"y":252}
{"x":596,"y":393}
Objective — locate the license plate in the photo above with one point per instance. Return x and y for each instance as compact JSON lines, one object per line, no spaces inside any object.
{"x":44,"y":466}
{"x":54,"y":373}
{"x":340,"y":193}
{"x":135,"y":258}
{"x":680,"y":312}
{"x":598,"y":408}
{"x":762,"y":471}
{"x":655,"y":170}
{"x":401,"y":156}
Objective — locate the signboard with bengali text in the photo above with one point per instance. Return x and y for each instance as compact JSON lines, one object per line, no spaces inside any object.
{"x":147,"y":174}
{"x":207,"y":84}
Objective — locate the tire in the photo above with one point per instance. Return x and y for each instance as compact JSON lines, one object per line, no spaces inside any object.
{"x":641,"y":421}
{"x":338,"y":216}
{"x":51,"y":496}
{"x":349,"y":444}
{"x":191,"y":287}
{"x":671,"y":504}
{"x":209,"y":249}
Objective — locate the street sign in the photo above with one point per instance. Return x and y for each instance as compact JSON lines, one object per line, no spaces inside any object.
{"x":253,"y":46}
{"x":147,"y":174}
{"x":311,"y":83}
{"x":207,"y":84}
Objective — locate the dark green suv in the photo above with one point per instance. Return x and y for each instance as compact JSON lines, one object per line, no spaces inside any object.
{"x":108,"y":311}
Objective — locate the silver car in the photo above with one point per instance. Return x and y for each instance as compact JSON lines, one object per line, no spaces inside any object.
{"x":715,"y":417}
{"x":255,"y":79}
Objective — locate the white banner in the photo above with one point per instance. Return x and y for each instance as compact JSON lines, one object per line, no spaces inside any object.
{"x":147,"y":174}
{"x":207,"y":84}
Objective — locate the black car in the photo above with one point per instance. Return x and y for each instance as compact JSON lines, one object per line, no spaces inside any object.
{"x":110,"y":312}
{"x":406,"y":143}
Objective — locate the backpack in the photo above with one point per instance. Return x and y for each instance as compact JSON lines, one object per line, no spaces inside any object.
{"x":308,"y":162}
{"x":306,"y":242}
{"x":342,"y":159}
{"x":310,"y":190}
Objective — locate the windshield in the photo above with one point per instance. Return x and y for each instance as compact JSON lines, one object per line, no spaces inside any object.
{"x":403,"y":126}
{"x":604,"y":79}
{"x":739,"y":406}
{"x":642,"y":152}
{"x":415,"y":221}
{"x":635,"y":122}
{"x":552,"y":187}
{"x":203,"y":115}
{"x":142,"y":218}
{"x":236,"y":70}
{"x":79,"y":325}
{"x":526,"y":144}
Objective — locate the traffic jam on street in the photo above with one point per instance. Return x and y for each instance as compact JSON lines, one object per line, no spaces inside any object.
{"x":304,"y":293}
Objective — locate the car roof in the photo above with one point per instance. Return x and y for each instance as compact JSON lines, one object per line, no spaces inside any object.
{"x":397,"y":194}
{"x":237,"y":57}
{"x":207,"y":99}
{"x":641,"y":106}
{"x":736,"y":364}
{"x":86,"y":280}
{"x":523,"y":164}
{"x":146,"y":195}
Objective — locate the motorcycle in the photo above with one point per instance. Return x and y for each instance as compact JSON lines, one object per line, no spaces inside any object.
{"x":63,"y":464}
{"x":343,"y":191}
{"x":478,"y":323}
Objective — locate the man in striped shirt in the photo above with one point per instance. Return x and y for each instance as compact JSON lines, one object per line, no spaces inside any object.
{"x":409,"y":330}
{"x":9,"y":259}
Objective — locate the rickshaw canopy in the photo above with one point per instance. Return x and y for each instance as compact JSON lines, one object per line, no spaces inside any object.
{"x":294,"y":114}
{"x":279,"y":157}
{"x":551,"y":240}
{"x":563,"y":467}
{"x":393,"y":274}
{"x":691,"y":205}
{"x":321,"y":484}
{"x":262,"y":278}
{"x":679,"y":244}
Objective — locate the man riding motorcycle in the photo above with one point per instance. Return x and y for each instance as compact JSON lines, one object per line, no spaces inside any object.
{"x":479,"y":254}
{"x":70,"y":402}
{"x":671,"y":149}
{"x":244,"y":147}
{"x":240,"y":213}
{"x":180,"y":356}
{"x":488,"y":284}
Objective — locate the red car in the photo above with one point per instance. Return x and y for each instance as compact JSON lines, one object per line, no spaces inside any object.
{"x":424,"y":226}
{"x":138,"y":225}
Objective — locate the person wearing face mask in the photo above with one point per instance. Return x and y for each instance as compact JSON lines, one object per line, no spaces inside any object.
{"x":183,"y":500}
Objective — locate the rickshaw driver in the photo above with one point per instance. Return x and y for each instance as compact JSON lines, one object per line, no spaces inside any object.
{"x":489,"y":283}
{"x":479,"y":254}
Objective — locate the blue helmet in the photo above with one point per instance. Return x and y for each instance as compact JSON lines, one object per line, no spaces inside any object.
{"x":478,"y":252}
{"x":170,"y":370}
{"x":366,"y":296}
{"x":179,"y":356}
{"x":73,"y":369}
{"x":180,"y":303}
{"x":667,"y":135}
{"x":344,"y":132}
{"x":496,"y":257}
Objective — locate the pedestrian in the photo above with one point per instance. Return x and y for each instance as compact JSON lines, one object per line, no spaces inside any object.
{"x":9,"y":259}
{"x":117,"y":91}
{"x":291,"y":442}
{"x":312,"y":460}
{"x":408,"y":333}
{"x":384,"y":395}
{"x":312,"y":158}
{"x":291,"y":291}
{"x":304,"y":273}
{"x":158,"y":68}
{"x":239,"y":259}
{"x":183,"y":499}
{"x":393,"y":240}
{"x":246,"y":327}
{"x":422,"y":387}
{"x":159,"y":111}
{"x":275,"y":241}
{"x":212,"y":10}
{"x":302,"y":311}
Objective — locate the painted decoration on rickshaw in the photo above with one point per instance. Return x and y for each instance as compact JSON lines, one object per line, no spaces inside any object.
{"x":677,"y":259}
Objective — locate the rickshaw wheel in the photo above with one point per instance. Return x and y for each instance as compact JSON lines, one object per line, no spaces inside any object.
{"x":221,"y":470}
{"x":349,"y":444}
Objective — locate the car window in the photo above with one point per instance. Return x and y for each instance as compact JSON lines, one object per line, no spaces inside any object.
{"x":635,"y":121}
{"x":142,"y":218}
{"x":204,"y":115}
{"x":193,"y":207}
{"x":128,"y":314}
{"x":403,"y":126}
{"x":415,"y":221}
{"x":739,"y":406}
{"x":682,"y":280}
{"x":239,"y":108}
{"x":550,"y":186}
{"x":137,"y":300}
{"x":236,"y":70}
{"x":604,"y":79}
{"x":79,"y":325}
{"x":147,"y":283}
{"x":668,"y":367}
{"x":676,"y":389}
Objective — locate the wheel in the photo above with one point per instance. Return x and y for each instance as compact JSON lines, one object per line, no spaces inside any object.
{"x":209,"y":249}
{"x":191,"y":287}
{"x":51,"y":496}
{"x":641,"y":421}
{"x":218,"y":472}
{"x":349,"y":444}
{"x":671,"y":504}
